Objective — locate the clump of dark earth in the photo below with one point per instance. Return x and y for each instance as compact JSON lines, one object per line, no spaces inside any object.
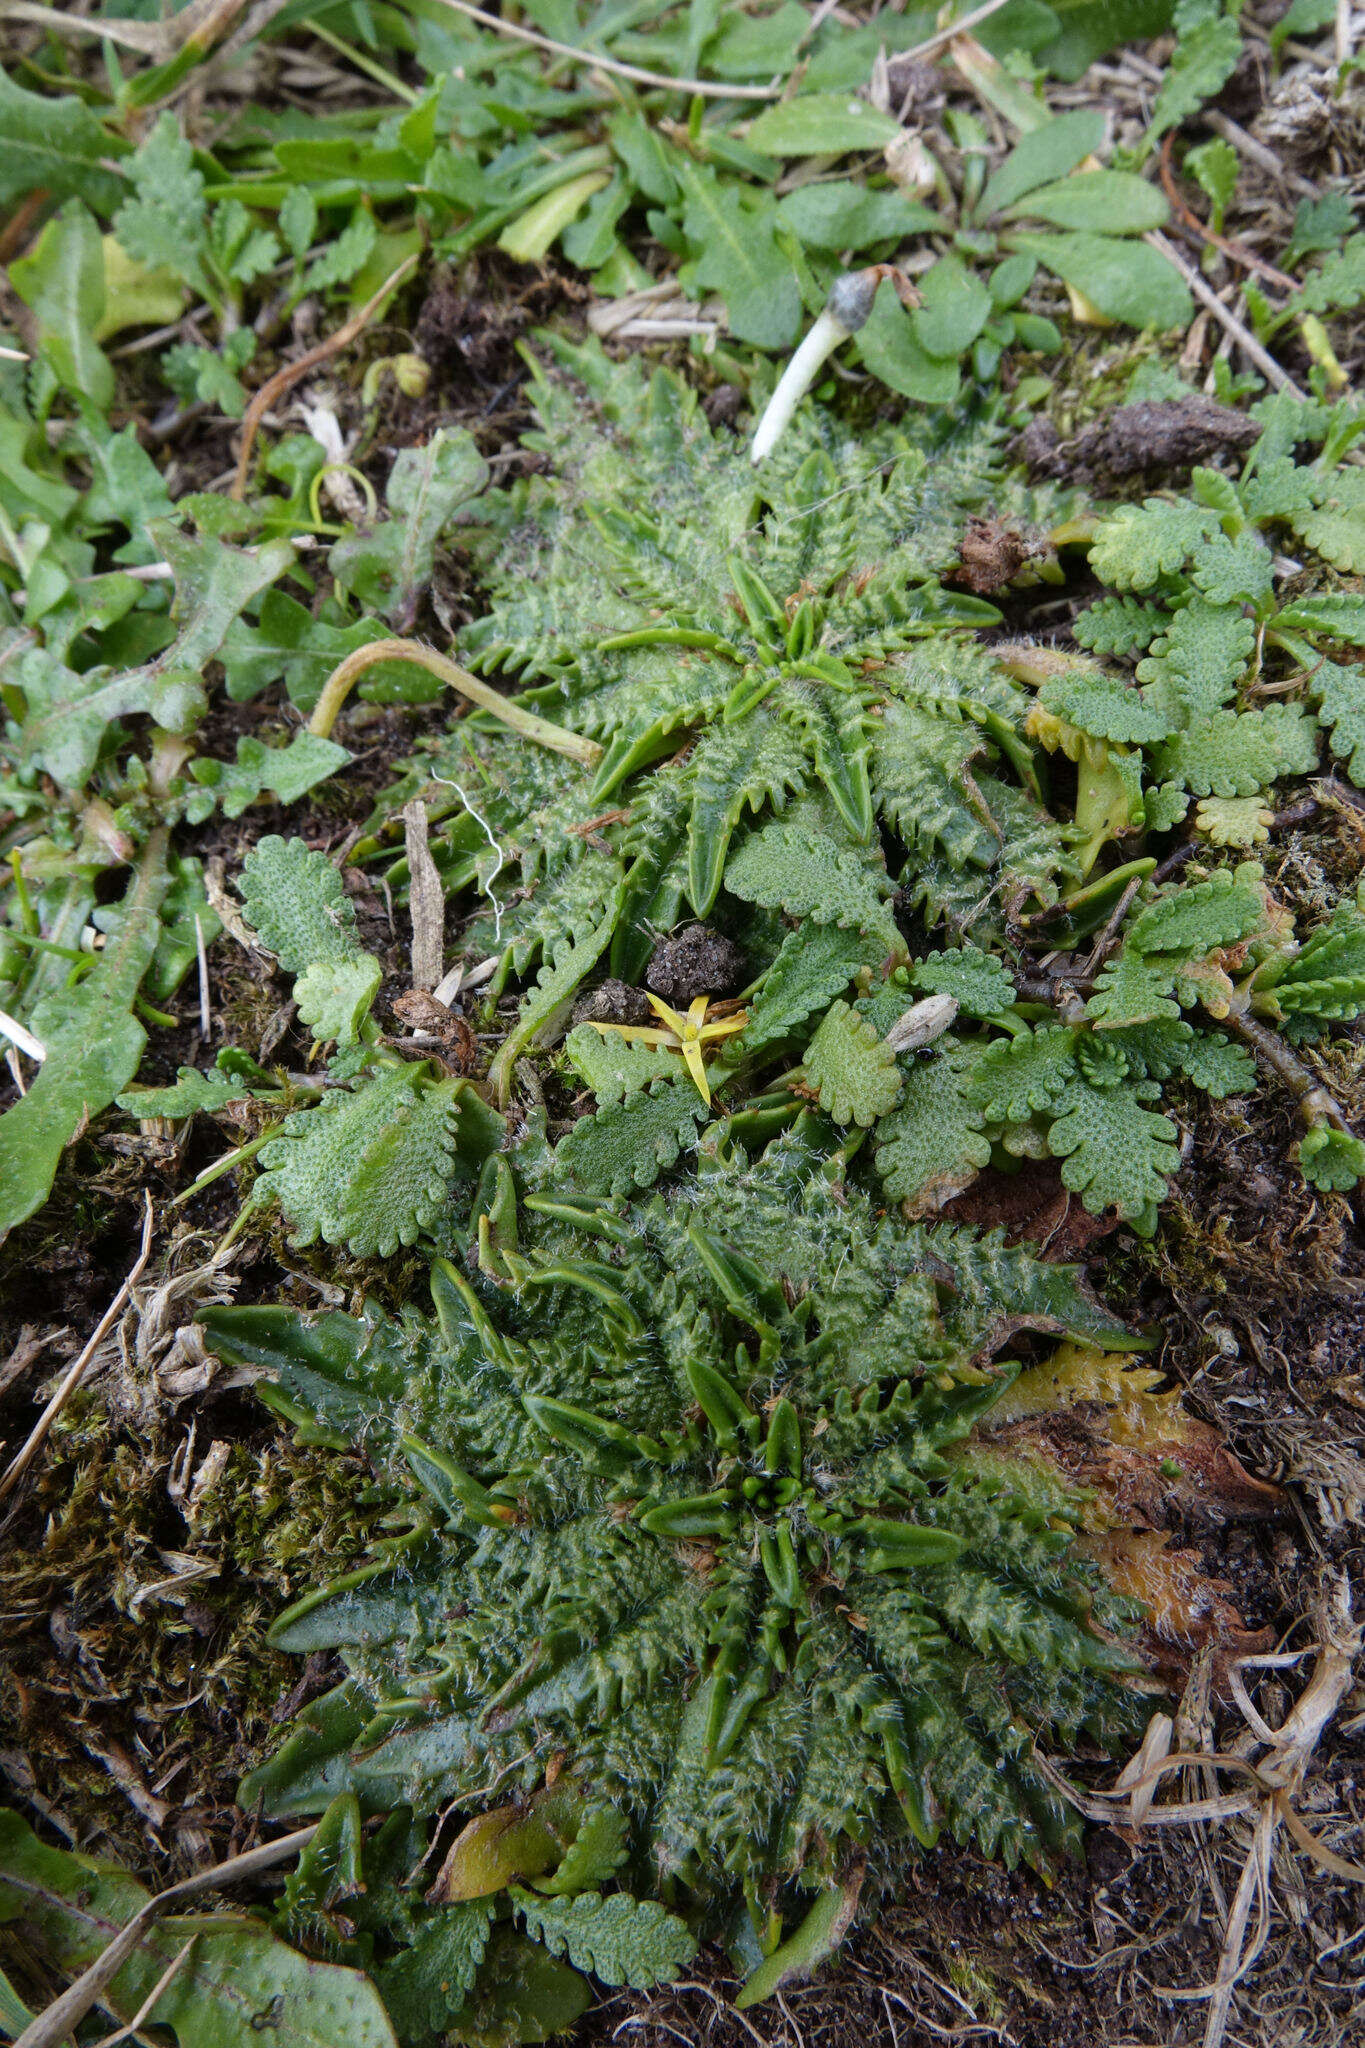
{"x":1168,"y":434}
{"x":992,"y":554}
{"x":615,"y":1002}
{"x":695,"y":961}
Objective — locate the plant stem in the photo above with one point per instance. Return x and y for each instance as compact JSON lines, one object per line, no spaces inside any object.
{"x":1315,"y":1105}
{"x":339,"y":684}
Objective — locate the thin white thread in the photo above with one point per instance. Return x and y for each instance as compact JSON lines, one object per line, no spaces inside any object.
{"x":486,"y":887}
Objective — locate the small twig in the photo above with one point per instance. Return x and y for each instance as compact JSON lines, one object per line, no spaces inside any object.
{"x":286,"y":378}
{"x":942,"y":37}
{"x":1106,"y":939}
{"x":20,"y":1035}
{"x":1235,"y":250}
{"x":1315,"y":1105}
{"x":701,"y":86}
{"x":153,"y":1998}
{"x":1255,"y":151}
{"x":1228,"y":320}
{"x":426,"y":900}
{"x":65,"y":2013}
{"x":200,"y":24}
{"x":37,"y":1436}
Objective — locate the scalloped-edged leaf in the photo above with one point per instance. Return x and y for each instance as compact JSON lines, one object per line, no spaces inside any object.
{"x":613,"y":1066}
{"x":1118,"y":625}
{"x":977,"y":982}
{"x":1194,"y":919}
{"x":1139,"y":544}
{"x":932,"y":1147}
{"x":1238,"y":753}
{"x":1115,"y":1153}
{"x":297,"y":904}
{"x":371,"y":1169}
{"x":1195,"y":665}
{"x":190,"y":1093}
{"x":851,"y":1068}
{"x":1015,"y":1077}
{"x":1336,"y":528}
{"x":622,"y":1940}
{"x":334,"y":996}
{"x":1105,"y":707}
{"x":1332,"y":1160}
{"x":629,"y":1144}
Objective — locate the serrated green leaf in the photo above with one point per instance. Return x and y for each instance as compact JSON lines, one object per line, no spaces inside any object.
{"x":614,"y":1067}
{"x":190,"y":1093}
{"x":389,"y":565}
{"x":371,"y":1169}
{"x":297,"y":904}
{"x":620,"y":1939}
{"x":334,"y":996}
{"x":1332,"y":1160}
{"x":979,"y":984}
{"x":807,"y":874}
{"x":629,"y":1144}
{"x":816,"y":963}
{"x":1105,"y":706}
{"x":1203,"y":60}
{"x":164,"y":223}
{"x":932,"y":1147}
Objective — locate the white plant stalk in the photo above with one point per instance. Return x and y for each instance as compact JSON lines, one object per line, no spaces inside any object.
{"x":846,"y":310}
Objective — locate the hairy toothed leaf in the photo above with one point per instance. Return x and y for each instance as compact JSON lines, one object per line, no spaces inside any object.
{"x":189,"y":1093}
{"x":1138,"y":545}
{"x":1336,"y":528}
{"x":851,"y":1069}
{"x":620,"y":1939}
{"x":1201,"y":915}
{"x":1015,"y":1077}
{"x":1118,"y":625}
{"x":371,"y":1169}
{"x":815,"y":963}
{"x":1105,"y":707}
{"x":807,"y":874}
{"x":1340,"y":695}
{"x":1237,"y":753}
{"x":613,"y":1067}
{"x":629,"y":1144}
{"x":164,"y":224}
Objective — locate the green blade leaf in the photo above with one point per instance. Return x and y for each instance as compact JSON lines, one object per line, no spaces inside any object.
{"x":1048,"y":153}
{"x":1127,"y":281}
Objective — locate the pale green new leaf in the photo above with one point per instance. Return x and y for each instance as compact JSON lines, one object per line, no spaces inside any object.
{"x":1332,"y":1160}
{"x":1139,"y":544}
{"x":979,"y":983}
{"x":615,"y":1067}
{"x":851,"y":1068}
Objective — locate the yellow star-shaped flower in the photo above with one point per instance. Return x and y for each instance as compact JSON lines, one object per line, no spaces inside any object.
{"x":686,"y":1035}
